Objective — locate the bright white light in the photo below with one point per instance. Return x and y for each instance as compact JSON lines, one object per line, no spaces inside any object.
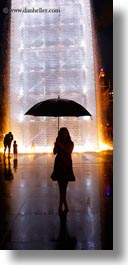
{"x":21,"y":69}
{"x":88,"y":182}
{"x":21,"y":117}
{"x":86,"y":118}
{"x":21,"y":92}
{"x":21,"y":47}
{"x":52,"y":62}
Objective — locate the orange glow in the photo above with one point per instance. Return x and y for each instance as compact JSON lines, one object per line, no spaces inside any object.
{"x":102,"y":74}
{"x":1,"y":149}
{"x":105,"y":146}
{"x":87,"y":147}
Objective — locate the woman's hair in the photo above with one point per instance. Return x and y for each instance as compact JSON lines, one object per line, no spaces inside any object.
{"x":68,"y":135}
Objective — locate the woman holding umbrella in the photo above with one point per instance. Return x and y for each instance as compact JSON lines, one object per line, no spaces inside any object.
{"x":63,"y":171}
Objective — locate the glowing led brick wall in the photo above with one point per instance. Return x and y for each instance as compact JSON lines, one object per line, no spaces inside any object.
{"x":51,"y":54}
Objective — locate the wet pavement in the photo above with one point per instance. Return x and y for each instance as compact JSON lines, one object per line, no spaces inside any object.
{"x":29,"y":199}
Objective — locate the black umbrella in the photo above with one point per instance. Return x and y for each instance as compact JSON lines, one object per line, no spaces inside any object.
{"x":58,"y":107}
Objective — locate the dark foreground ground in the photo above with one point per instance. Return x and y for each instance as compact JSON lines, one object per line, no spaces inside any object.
{"x":29,"y":218}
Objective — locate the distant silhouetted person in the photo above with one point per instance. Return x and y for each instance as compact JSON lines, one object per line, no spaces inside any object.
{"x":63,"y":171}
{"x":33,"y":146}
{"x":7,"y":142}
{"x":15,"y":149}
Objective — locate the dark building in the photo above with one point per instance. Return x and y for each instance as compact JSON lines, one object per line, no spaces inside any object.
{"x":4,"y":66}
{"x":106,"y":92}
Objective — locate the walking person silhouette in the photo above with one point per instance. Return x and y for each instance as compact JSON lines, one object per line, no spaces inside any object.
{"x":7,"y":143}
{"x":15,"y":149}
{"x":63,"y":170}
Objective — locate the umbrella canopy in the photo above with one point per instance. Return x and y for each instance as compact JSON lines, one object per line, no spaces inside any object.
{"x":58,"y":107}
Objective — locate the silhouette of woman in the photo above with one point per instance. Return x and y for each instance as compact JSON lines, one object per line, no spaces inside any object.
{"x":63,"y":170}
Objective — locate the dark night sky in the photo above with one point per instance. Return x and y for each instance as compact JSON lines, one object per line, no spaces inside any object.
{"x":103,"y":10}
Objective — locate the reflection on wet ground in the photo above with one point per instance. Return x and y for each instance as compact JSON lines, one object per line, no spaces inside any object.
{"x":29,"y":204}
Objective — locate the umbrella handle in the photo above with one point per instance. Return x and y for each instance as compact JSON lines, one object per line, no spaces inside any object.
{"x":58,"y":116}
{"x":58,"y":124}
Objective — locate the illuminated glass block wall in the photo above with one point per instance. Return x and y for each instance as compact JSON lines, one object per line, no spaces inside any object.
{"x":51,"y":54}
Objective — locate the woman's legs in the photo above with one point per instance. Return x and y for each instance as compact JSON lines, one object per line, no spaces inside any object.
{"x":63,"y":190}
{"x":61,"y":198}
{"x":64,"y":198}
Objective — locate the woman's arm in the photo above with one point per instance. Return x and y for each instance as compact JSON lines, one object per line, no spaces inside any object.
{"x":66,"y":148}
{"x":69,"y":147}
{"x":56,"y":146}
{"x":59,"y":147}
{"x":55,"y":149}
